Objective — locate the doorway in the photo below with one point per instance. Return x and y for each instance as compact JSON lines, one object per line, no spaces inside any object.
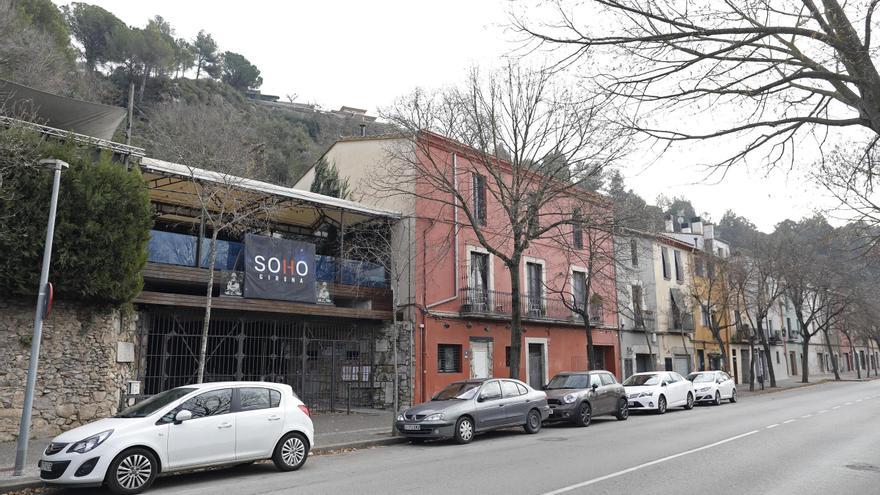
{"x":536,"y":368}
{"x":793,"y":361}
{"x":481,"y":358}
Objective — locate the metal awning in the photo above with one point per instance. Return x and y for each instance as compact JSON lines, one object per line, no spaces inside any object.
{"x":175,"y":185}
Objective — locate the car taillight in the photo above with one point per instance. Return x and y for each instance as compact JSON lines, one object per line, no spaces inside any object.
{"x":305,"y":409}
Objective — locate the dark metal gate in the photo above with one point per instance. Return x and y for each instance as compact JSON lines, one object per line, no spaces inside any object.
{"x":328,"y":363}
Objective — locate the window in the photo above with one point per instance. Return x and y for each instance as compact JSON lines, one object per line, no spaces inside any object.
{"x":211,"y":403}
{"x":522,"y":390}
{"x":579,"y":289}
{"x":535,"y":287}
{"x":704,"y":311}
{"x":606,"y":379}
{"x":698,"y":267}
{"x":777,"y":357}
{"x":507,"y":356}
{"x":509,"y":389}
{"x":480,"y":198}
{"x":788,"y":323}
{"x":596,"y":308}
{"x":679,"y":269}
{"x":491,"y":390}
{"x":577,"y":231}
{"x":449,"y":358}
{"x":634,"y":252}
{"x":274,"y":398}
{"x":664,"y":255}
{"x":254,"y":398}
{"x":479,"y":281}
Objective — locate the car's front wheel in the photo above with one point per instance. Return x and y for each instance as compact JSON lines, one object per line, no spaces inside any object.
{"x":733,"y":396}
{"x":533,"y":422}
{"x":464,"y":430}
{"x":717,"y":398}
{"x":689,"y":404}
{"x":661,"y":405}
{"x":584,"y":415}
{"x":291,"y":452}
{"x":132,"y":471}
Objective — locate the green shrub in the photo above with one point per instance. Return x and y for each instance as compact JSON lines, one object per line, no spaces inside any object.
{"x":101,"y":230}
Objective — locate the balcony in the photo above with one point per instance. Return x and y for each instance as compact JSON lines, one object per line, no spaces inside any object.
{"x":775,"y":337}
{"x":684,"y":324}
{"x":493,"y":304}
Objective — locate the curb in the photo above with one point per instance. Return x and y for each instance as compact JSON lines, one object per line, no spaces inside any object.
{"x":363,"y":444}
{"x":24,"y":482}
{"x":770,"y":390}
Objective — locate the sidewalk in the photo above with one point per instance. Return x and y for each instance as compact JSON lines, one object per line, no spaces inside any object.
{"x":363,"y":428}
{"x":795,"y":382}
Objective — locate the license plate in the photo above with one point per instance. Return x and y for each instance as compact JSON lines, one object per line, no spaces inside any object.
{"x":45,"y":466}
{"x":412,"y":427}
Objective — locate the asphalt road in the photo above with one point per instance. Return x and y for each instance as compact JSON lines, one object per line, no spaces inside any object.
{"x":819,"y":439}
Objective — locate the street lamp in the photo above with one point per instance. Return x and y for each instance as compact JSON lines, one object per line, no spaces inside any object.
{"x":24,"y":428}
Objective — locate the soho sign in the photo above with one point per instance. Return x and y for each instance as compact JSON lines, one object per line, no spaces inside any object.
{"x":279,"y":269}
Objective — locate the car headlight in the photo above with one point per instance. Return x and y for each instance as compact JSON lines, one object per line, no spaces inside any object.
{"x":90,"y":443}
{"x":434,"y":417}
{"x":569,"y":398}
{"x":646,"y":394}
{"x":400,"y":417}
{"x":704,"y":389}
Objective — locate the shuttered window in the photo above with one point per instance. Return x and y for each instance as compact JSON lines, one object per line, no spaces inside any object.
{"x":449,"y":358}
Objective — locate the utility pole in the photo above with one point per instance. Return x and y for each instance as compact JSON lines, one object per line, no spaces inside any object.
{"x":24,"y":428}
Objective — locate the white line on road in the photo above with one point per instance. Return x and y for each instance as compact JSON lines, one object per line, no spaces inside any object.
{"x":774,"y":425}
{"x":647,"y":464}
{"x":807,"y":416}
{"x":836,"y":407}
{"x":848,"y":404}
{"x":858,"y":400}
{"x":823,"y":411}
{"x":787,"y":421}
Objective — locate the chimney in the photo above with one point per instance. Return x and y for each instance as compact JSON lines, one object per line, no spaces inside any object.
{"x":363,"y":130}
{"x":668,"y":224}
{"x":697,"y":225}
{"x":709,"y":231}
{"x":685,"y":228}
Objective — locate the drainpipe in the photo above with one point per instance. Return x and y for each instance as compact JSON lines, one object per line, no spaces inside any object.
{"x":454,"y":235}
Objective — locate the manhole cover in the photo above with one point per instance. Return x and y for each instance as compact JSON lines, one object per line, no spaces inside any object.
{"x":553,"y":439}
{"x":864,"y":467}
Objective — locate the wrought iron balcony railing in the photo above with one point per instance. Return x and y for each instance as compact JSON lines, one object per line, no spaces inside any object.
{"x":492,"y":303}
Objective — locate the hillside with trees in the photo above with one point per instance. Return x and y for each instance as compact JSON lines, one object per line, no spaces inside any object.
{"x":86,"y":52}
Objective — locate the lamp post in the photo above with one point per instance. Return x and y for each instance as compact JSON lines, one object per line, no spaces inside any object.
{"x":24,"y":429}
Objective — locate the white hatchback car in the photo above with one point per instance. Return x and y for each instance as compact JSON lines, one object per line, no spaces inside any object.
{"x":713,"y":386}
{"x":189,"y":427}
{"x":658,"y":390}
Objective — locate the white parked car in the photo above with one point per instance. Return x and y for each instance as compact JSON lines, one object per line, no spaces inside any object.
{"x":658,"y":391}
{"x":184,"y":428}
{"x":712,"y":386}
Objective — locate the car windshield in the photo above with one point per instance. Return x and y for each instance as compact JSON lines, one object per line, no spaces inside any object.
{"x":640,"y":380}
{"x":154,"y":403}
{"x":458,"y":390}
{"x":701,"y":377}
{"x":569,"y":381}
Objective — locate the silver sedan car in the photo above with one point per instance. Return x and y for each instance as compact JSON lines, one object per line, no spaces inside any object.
{"x":468,"y":407}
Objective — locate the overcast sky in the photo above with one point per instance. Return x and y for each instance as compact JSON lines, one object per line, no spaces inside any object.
{"x":365,"y":54}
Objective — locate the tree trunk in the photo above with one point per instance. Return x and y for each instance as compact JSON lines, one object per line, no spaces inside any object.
{"x":591,"y":350}
{"x":805,"y":359}
{"x":146,"y":72}
{"x":203,"y":350}
{"x":751,"y":363}
{"x":198,"y":69}
{"x":650,"y":350}
{"x":831,"y":354}
{"x":395,"y":404}
{"x":765,"y":344}
{"x":725,"y":365}
{"x":515,"y":319}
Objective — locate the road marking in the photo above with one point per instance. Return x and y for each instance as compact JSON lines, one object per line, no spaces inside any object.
{"x":647,"y":464}
{"x":774,"y":425}
{"x":858,"y":400}
{"x":835,"y":407}
{"x":848,"y":404}
{"x":788,"y":421}
{"x":823,"y":411}
{"x":807,"y":416}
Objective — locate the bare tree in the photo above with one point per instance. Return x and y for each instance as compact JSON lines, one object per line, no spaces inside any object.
{"x":789,"y":67}
{"x":523,"y":143}
{"x":216,"y":138}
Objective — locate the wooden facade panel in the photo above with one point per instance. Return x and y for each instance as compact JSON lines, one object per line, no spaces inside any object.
{"x":258,"y":305}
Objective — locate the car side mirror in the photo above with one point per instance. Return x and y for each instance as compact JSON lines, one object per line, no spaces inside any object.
{"x":595,"y":386}
{"x":181,"y":416}
{"x":663,"y":384}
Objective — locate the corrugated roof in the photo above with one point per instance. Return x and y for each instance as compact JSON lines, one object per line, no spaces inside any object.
{"x":160,"y":166}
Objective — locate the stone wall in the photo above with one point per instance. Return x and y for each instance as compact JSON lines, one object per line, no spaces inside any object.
{"x":384,"y":363}
{"x":79,"y":378}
